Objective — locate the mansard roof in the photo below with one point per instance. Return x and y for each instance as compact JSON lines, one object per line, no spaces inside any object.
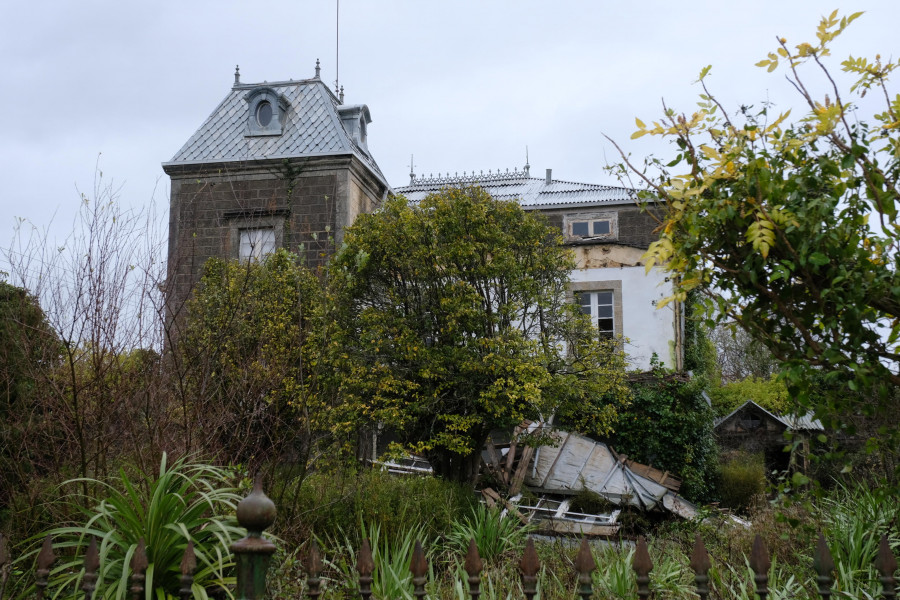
{"x":531,"y":192}
{"x":312,"y":126}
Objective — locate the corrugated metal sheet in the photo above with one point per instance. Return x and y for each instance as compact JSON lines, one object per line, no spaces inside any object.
{"x":578,"y":463}
{"x":531,"y":192}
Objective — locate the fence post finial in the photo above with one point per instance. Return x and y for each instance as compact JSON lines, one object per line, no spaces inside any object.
{"x":700,"y":564}
{"x":418,"y":567}
{"x":823,"y":565}
{"x":364,"y":566}
{"x":91,"y":564}
{"x":642,"y":565}
{"x":473,"y":567}
{"x":760,"y":563}
{"x":313,"y":566}
{"x":45,"y":560}
{"x":188,"y":566}
{"x":886,"y":565}
{"x":139,"y":565}
{"x":529,"y":566}
{"x":252,"y":553}
{"x":585,"y":565}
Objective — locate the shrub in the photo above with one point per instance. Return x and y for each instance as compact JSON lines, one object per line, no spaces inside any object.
{"x":183,"y":504}
{"x":743,"y":479}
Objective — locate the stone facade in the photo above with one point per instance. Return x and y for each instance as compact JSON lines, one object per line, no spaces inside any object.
{"x":303,"y":178}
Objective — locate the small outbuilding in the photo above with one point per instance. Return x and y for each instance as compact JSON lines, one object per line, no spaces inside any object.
{"x":753,"y":429}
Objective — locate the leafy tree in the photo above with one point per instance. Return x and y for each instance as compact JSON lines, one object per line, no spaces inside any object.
{"x":253,"y":344}
{"x":458,"y":323}
{"x":790,"y":228}
{"x":27,"y":346}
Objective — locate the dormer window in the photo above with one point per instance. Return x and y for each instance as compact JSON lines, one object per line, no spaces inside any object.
{"x":267,"y":111}
{"x":264,"y":113}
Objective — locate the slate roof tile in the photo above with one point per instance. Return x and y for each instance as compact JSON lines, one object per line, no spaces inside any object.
{"x":311,"y":127}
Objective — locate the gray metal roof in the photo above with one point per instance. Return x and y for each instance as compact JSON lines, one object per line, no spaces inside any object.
{"x":312,"y":127}
{"x":531,"y":192}
{"x":804,"y":422}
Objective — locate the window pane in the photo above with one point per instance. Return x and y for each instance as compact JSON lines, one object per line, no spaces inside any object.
{"x":601,"y":227}
{"x":257,"y":243}
{"x":580,"y":228}
{"x":605,"y":324}
{"x":604,"y":297}
{"x":605,"y":310}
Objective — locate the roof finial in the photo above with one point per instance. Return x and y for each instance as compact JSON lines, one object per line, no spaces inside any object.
{"x":318,"y":69}
{"x":412,"y":170}
{"x":527,"y":166}
{"x":237,"y":74}
{"x":341,"y":97}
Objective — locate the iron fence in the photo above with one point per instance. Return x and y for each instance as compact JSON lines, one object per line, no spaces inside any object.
{"x":253,"y":554}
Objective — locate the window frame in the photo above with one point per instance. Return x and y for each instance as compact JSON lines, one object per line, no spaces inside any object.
{"x":594,"y":287}
{"x":590,"y":220}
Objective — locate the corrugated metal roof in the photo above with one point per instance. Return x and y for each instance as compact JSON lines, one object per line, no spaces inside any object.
{"x":312,"y":127}
{"x":531,"y":192}
{"x":796,"y":423}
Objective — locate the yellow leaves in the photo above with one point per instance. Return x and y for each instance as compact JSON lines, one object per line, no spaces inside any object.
{"x":761,"y":235}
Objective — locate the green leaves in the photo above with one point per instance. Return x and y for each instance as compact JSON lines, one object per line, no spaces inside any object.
{"x":185,"y":502}
{"x":790,"y":229}
{"x":458,"y":323}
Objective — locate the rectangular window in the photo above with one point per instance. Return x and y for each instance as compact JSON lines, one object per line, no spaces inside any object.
{"x":591,"y":228}
{"x":599,"y":306}
{"x":256,"y":243}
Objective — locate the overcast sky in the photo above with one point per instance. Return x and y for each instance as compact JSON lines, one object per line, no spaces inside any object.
{"x":462,"y":85}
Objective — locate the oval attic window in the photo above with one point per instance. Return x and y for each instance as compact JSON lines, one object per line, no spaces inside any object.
{"x":264,"y":114}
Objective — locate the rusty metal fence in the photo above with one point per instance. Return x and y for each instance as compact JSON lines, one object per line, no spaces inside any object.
{"x":253,"y":554}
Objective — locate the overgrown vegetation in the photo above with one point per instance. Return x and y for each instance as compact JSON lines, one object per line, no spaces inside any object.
{"x":790,"y":229}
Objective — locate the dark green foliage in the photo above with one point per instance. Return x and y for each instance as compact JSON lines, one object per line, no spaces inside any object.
{"x":743,"y":481}
{"x":669,"y":425}
{"x":458,"y":323}
{"x":28,"y":350}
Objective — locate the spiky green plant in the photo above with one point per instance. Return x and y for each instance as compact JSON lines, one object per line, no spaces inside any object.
{"x":185,"y":502}
{"x":494,"y":533}
{"x":391,"y":577}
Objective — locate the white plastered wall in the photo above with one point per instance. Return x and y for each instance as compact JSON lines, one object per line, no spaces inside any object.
{"x":648,"y":329}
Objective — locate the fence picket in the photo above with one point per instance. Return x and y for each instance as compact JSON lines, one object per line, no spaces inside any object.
{"x":886,"y":565}
{"x":365,"y":565}
{"x":823,"y":564}
{"x":700,"y":564}
{"x":584,"y":566}
{"x":529,"y":566}
{"x":473,"y":567}
{"x":760,"y":563}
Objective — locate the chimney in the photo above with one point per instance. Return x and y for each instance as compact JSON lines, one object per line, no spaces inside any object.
{"x":549,"y":178}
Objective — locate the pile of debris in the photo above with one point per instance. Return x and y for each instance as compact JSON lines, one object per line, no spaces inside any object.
{"x":539,"y":484}
{"x":554,"y":474}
